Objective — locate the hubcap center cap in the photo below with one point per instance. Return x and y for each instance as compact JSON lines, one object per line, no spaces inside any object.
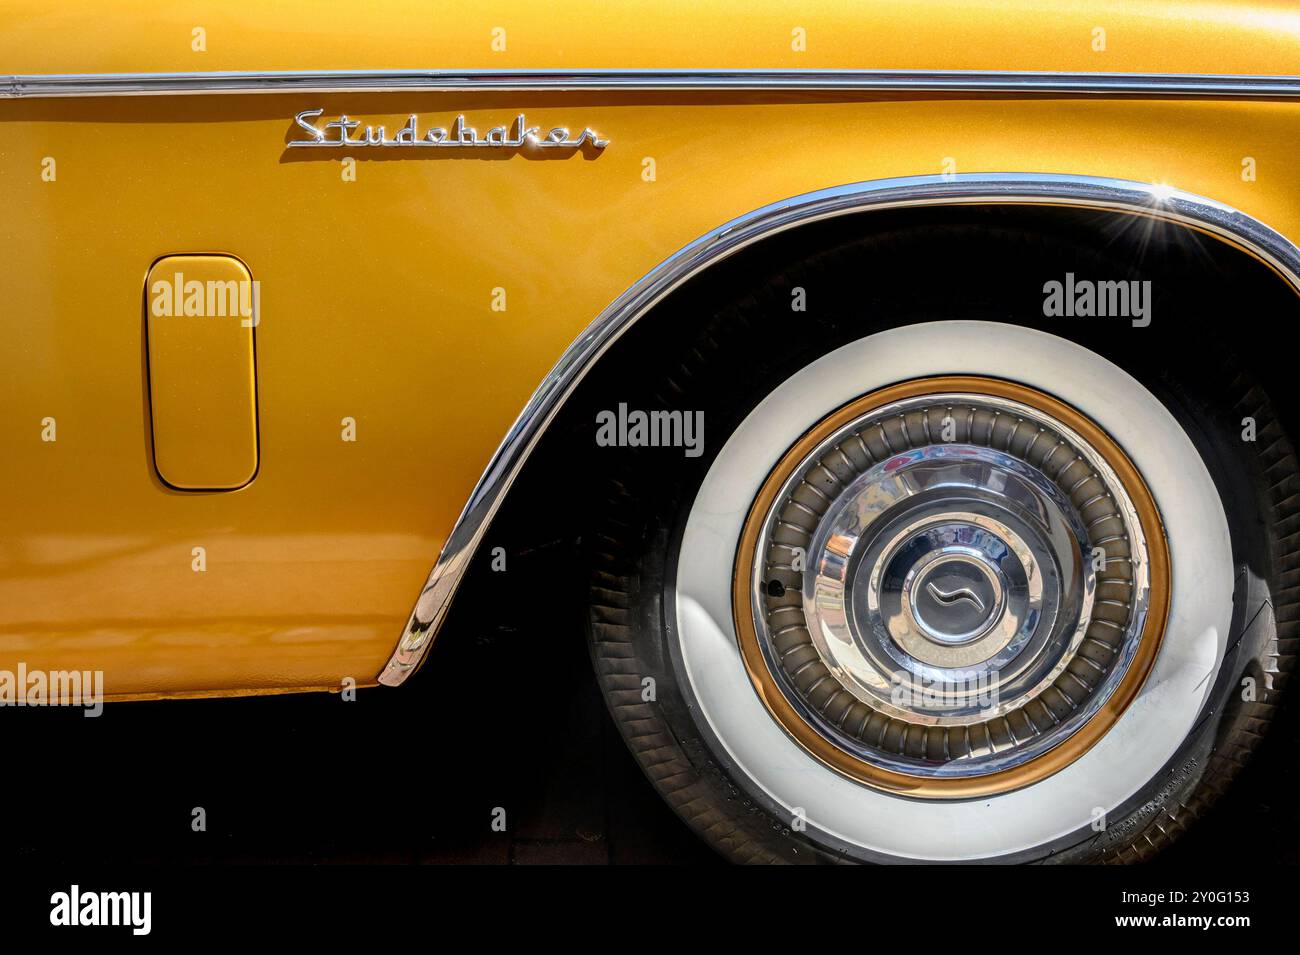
{"x":953,"y":595}
{"x":943,"y":591}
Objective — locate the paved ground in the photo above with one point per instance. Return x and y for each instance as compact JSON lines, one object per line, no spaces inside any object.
{"x":414,"y":776}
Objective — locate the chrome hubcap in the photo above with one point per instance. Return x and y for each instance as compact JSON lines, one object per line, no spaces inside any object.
{"x":950,"y":585}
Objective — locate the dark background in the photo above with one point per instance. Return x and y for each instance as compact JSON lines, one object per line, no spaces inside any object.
{"x":398,"y":775}
{"x":411,"y":775}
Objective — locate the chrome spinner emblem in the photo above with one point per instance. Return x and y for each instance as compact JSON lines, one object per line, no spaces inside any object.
{"x":519,"y":135}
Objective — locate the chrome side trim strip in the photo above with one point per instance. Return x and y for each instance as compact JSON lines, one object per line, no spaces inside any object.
{"x":357,"y":81}
{"x":1161,"y":202}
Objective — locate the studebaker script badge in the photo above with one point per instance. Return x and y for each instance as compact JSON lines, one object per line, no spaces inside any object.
{"x":519,"y":135}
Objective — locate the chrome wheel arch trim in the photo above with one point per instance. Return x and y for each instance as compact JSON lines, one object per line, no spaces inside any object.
{"x":932,"y":81}
{"x":1158,"y":201}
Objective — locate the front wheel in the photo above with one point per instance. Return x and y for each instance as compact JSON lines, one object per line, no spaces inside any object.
{"x":952,"y":591}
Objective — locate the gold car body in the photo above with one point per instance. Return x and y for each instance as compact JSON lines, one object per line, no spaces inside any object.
{"x":427,"y":297}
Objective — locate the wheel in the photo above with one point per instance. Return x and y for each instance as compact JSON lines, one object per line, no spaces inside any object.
{"x":952,"y":590}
